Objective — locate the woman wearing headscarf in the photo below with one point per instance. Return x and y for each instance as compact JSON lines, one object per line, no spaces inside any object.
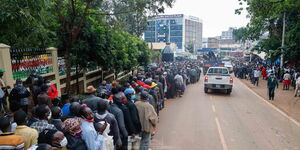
{"x":73,"y":134}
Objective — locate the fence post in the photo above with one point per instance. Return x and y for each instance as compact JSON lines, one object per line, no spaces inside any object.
{"x":5,"y":64}
{"x":53,"y":52}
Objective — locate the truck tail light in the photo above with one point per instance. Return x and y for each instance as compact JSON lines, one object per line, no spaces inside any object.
{"x":231,"y":80}
{"x":205,"y":79}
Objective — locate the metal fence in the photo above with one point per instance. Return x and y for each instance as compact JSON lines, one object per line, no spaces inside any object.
{"x":27,"y":61}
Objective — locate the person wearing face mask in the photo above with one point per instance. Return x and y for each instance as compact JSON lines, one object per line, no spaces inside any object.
{"x":132,"y":109}
{"x":103,"y":128}
{"x":8,"y":140}
{"x":118,"y":113}
{"x":118,"y":100}
{"x":18,"y":97}
{"x":133,"y":114}
{"x":93,"y":140}
{"x":44,"y":114}
{"x":73,"y":133}
{"x":56,"y":139}
{"x":29,"y":134}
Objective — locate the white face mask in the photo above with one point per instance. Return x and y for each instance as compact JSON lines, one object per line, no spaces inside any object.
{"x":49,"y":116}
{"x":64,"y":142}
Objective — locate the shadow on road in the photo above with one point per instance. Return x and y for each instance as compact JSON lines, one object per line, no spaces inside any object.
{"x":217,"y":93}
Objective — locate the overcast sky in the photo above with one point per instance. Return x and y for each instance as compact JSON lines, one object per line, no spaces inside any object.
{"x":217,"y":15}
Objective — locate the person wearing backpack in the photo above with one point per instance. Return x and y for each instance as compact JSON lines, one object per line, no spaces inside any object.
{"x":18,"y":97}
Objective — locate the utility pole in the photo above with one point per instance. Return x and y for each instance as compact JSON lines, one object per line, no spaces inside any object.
{"x":282,"y":41}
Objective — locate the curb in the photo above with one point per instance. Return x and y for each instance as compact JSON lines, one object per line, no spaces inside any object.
{"x":282,"y":112}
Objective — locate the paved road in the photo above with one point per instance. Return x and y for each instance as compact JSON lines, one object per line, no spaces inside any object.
{"x":241,"y":121}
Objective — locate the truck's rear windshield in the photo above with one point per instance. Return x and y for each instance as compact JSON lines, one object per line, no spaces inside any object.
{"x":219,"y":71}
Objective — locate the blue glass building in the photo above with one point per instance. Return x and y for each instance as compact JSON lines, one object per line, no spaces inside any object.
{"x":178,"y":29}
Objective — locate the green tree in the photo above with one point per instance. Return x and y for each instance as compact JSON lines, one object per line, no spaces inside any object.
{"x":266,"y":16}
{"x":132,"y":15}
{"x":24,"y":23}
{"x":240,"y":34}
{"x":71,"y":16}
{"x":190,"y":46}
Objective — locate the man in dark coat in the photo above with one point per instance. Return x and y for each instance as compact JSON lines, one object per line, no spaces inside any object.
{"x":104,"y":115}
{"x":170,"y":86}
{"x":18,"y":97}
{"x":118,"y":100}
{"x":272,"y":84}
{"x":92,"y":100}
{"x":161,"y":92}
{"x":133,"y":110}
{"x":56,"y":115}
{"x":118,"y":113}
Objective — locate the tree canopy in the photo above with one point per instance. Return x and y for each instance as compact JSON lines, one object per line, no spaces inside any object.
{"x":87,"y":33}
{"x":266,"y":18}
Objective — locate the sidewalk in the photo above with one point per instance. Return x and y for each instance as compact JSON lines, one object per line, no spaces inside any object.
{"x":284,"y":100}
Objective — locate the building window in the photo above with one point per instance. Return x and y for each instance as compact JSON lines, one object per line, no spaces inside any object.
{"x":176,"y":33}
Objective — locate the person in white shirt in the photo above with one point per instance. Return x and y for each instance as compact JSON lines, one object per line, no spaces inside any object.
{"x":286,"y":81}
{"x":179,"y":84}
{"x":256,"y":76}
{"x":103,"y":128}
{"x":297,"y":84}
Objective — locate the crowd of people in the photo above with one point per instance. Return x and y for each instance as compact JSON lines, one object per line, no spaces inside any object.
{"x":253,"y":71}
{"x":111,"y":116}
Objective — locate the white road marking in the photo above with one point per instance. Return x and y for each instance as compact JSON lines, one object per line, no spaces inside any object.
{"x":213,"y":108}
{"x":274,"y":107}
{"x":221,"y":134}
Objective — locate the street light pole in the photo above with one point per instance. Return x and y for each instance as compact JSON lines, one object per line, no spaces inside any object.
{"x":282,"y":41}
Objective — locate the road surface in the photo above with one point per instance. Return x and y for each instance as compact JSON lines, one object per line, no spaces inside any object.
{"x":216,"y":121}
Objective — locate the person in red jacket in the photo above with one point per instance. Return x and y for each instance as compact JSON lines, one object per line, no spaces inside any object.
{"x":52,"y":91}
{"x":264,"y":73}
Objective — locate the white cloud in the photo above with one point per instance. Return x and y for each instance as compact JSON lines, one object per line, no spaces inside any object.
{"x":217,"y":15}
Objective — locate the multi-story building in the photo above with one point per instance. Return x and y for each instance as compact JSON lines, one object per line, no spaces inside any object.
{"x":205,"y":43}
{"x":179,"y":29}
{"x":213,"y":42}
{"x":227,"y":35}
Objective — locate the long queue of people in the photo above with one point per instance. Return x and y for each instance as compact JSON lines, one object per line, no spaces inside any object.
{"x":272,"y":73}
{"x":111,"y":116}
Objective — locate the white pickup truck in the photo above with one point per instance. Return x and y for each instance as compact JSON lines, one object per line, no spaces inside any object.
{"x":218,"y":78}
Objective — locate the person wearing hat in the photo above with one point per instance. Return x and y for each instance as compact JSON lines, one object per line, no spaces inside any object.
{"x":104,"y":89}
{"x":92,"y":100}
{"x":148,"y":119}
{"x":131,"y":97}
{"x":154,"y":92}
{"x":272,"y":83}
